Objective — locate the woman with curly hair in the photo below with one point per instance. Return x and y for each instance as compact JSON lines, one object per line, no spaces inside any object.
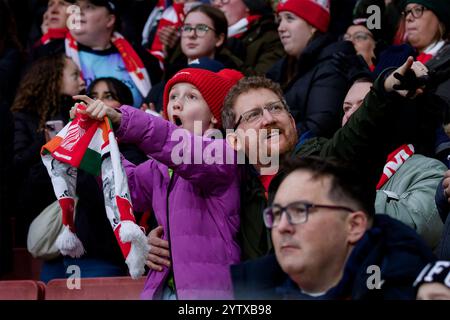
{"x":44,"y":94}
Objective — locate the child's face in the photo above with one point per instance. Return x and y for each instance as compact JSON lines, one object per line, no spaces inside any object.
{"x":186,"y":105}
{"x":101,"y":92}
{"x":72,"y":83}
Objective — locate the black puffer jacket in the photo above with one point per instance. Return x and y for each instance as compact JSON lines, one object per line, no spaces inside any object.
{"x":316,"y":92}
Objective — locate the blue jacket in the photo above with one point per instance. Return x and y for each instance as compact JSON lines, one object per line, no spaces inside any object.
{"x":391,"y":245}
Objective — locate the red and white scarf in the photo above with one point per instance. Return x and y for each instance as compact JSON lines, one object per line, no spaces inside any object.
{"x":132,"y":61}
{"x":52,"y":34}
{"x":172,"y":16}
{"x":238,"y":29}
{"x":394,"y":161}
{"x":90,"y":145}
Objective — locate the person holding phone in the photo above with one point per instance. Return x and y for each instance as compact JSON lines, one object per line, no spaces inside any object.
{"x":45,"y":94}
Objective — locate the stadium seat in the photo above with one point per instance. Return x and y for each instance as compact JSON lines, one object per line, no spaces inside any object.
{"x":111,"y":288}
{"x":21,"y":290}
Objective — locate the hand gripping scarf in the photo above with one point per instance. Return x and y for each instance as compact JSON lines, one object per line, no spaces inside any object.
{"x":90,"y":145}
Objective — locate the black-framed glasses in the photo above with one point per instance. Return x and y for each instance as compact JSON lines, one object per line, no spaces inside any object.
{"x":416,"y":11}
{"x":296,"y":212}
{"x":199,"y":29}
{"x":220,"y":1}
{"x":254,"y":115}
{"x":357,"y":36}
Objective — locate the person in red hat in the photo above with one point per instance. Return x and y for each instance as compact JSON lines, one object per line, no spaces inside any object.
{"x":196,"y":204}
{"x":312,"y":86}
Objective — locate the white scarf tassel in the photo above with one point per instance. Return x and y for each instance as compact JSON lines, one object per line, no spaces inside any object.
{"x":130,"y":232}
{"x":69,"y":244}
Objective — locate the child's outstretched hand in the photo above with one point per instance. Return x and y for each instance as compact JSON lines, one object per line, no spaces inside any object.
{"x":97,"y":110}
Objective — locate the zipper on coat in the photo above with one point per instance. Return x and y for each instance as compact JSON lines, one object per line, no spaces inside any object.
{"x":168,"y":229}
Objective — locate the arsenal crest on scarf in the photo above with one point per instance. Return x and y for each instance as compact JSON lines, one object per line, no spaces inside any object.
{"x":91,"y":145}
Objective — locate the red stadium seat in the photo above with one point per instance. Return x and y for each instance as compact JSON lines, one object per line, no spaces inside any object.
{"x":21,"y":290}
{"x":111,"y":288}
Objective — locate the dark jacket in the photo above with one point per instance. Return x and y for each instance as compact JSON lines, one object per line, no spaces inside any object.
{"x":253,"y":236}
{"x":360,"y":142}
{"x":316,"y":92}
{"x":260,"y":45}
{"x":6,"y":190}
{"x":389,"y":244}
{"x":441,"y":64}
{"x":10,"y":70}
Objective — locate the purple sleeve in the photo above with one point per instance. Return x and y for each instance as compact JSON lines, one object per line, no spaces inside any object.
{"x":205,"y":162}
{"x":140,"y":183}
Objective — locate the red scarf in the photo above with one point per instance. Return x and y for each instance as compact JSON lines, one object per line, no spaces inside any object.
{"x":430,"y":52}
{"x":424,"y":57}
{"x":265,"y":181}
{"x":394,"y":161}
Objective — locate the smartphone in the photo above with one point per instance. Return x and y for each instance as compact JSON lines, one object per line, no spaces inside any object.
{"x":53,"y":127}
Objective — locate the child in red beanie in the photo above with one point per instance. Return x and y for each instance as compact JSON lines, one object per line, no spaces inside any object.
{"x":194,"y":83}
{"x":195,"y":203}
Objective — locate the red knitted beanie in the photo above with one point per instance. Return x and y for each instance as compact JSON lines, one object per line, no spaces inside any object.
{"x":315,"y":12}
{"x":213,"y":87}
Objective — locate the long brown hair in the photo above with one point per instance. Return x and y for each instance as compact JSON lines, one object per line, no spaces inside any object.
{"x":39,"y":90}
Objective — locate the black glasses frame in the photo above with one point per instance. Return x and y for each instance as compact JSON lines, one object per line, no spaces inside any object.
{"x":416,"y":12}
{"x":308,"y":206}
{"x":262,"y":108}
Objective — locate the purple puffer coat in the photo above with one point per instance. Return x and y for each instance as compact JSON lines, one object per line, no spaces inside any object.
{"x":200,"y":201}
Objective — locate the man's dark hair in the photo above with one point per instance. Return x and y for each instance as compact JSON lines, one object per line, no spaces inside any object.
{"x":243,"y":86}
{"x":346,"y":187}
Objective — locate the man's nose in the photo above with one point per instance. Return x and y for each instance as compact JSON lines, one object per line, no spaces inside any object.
{"x":284,"y":225}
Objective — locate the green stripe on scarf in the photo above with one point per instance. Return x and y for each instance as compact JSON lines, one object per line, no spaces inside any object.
{"x":91,"y":162}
